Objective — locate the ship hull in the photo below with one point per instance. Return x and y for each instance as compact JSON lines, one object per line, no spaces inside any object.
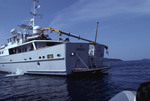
{"x":36,"y":62}
{"x":60,"y":59}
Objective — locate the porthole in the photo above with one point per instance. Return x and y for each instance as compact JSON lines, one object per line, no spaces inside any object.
{"x":58,"y":55}
{"x":39,"y":57}
{"x":10,"y":60}
{"x":43,"y":57}
{"x":30,"y":58}
{"x":38,"y":63}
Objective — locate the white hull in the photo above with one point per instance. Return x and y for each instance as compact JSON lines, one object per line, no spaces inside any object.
{"x":62,"y":63}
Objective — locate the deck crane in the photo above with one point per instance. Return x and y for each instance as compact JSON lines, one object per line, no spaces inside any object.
{"x":68,"y":34}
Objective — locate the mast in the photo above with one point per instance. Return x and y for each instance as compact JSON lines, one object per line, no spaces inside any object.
{"x":34,"y":12}
{"x":96,"y":32}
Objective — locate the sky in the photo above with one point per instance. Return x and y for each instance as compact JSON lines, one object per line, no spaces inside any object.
{"x":124,"y":25}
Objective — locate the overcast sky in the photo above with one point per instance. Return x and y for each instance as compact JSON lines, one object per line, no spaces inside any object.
{"x":124,"y":25}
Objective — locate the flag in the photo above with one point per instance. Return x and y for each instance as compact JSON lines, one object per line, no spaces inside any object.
{"x":39,"y":6}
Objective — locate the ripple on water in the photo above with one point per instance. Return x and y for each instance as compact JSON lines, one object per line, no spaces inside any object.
{"x":122,"y":76}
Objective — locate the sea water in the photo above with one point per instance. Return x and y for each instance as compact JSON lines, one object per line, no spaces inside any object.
{"x":123,"y":75}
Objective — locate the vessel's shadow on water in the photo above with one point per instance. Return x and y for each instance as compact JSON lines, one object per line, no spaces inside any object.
{"x":49,"y":88}
{"x":89,"y":87}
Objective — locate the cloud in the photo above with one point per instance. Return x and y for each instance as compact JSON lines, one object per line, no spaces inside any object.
{"x":85,"y":10}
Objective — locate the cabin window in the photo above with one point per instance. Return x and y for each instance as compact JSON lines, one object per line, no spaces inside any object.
{"x":50,"y":56}
{"x":22,"y":50}
{"x":31,"y":48}
{"x":12,"y":51}
{"x":43,"y":57}
{"x":19,"y":50}
{"x":30,"y":58}
{"x":25,"y":49}
{"x":39,"y":57}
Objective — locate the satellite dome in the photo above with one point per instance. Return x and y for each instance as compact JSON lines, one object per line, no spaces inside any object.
{"x":36,"y":30}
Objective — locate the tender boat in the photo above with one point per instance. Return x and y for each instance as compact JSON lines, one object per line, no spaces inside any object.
{"x":124,"y":96}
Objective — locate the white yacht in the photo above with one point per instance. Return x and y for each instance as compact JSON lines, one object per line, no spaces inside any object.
{"x":37,"y":53}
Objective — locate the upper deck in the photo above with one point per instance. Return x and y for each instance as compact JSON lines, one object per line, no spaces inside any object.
{"x":32,"y":37}
{"x":15,"y":47}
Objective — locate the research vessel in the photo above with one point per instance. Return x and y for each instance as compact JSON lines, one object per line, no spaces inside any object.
{"x":31,"y":51}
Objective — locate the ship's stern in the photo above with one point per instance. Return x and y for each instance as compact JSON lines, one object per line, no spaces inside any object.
{"x":76,"y":56}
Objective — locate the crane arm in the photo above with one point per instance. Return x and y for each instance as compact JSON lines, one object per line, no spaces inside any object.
{"x":68,"y":34}
{"x":51,"y":30}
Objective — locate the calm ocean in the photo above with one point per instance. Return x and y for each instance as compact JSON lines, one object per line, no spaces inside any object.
{"x":124,"y":75}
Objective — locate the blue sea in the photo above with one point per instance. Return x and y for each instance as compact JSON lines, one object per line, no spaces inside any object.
{"x":123,"y":75}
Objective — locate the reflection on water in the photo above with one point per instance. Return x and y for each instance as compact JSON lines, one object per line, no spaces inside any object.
{"x":30,"y":87}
